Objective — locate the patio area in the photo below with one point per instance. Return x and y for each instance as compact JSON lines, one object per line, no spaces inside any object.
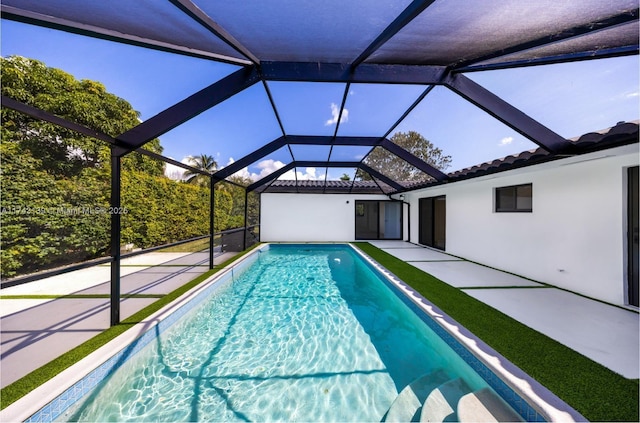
{"x":606,"y":334}
{"x":37,"y":330}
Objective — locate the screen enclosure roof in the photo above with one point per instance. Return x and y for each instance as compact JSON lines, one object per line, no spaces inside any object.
{"x":425,"y":44}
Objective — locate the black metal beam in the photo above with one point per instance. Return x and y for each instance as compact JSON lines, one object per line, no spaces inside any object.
{"x":116,"y":231}
{"x":212,"y":208}
{"x":306,"y":163}
{"x":56,"y":120}
{"x":341,"y":111}
{"x":328,"y":140}
{"x":174,"y":162}
{"x":341,"y":72}
{"x":253,"y":157}
{"x":33,"y":18}
{"x":210,"y":25}
{"x":409,"y":110}
{"x":273,"y":107}
{"x":291,"y":139}
{"x":408,"y":14}
{"x":246,"y":209}
{"x":413,"y":160}
{"x":190,"y":107}
{"x":335,"y":131}
{"x":118,"y":146}
{"x":324,"y":163}
{"x":380,"y":176}
{"x":630,"y":50}
{"x":572,"y":33}
{"x":507,"y":114}
{"x":271,"y":176}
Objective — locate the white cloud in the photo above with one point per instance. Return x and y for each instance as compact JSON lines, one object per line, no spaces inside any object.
{"x":267,"y":167}
{"x":505,"y":141}
{"x":633,"y":94}
{"x":243,"y":173}
{"x":174,"y":172}
{"x":309,"y":174}
{"x":335,"y":110}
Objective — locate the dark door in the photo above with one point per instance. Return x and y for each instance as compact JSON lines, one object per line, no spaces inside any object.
{"x":432,"y":222}
{"x":367,"y":219}
{"x":632,"y":240}
{"x":378,"y":219}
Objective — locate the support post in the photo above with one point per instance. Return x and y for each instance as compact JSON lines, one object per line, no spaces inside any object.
{"x":246,"y":198}
{"x":408,"y":221}
{"x":115,"y":237}
{"x":212,"y":204}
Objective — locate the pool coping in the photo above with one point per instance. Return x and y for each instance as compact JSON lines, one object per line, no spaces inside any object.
{"x":549,"y":405}
{"x":540,"y":398}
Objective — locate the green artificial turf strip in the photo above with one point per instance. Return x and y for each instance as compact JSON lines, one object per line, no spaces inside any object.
{"x":11,"y":393}
{"x":596,"y":392}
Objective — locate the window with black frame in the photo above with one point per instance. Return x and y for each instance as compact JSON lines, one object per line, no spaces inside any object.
{"x":515,"y":198}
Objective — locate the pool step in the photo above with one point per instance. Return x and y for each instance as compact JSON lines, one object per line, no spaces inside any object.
{"x":442,"y":403}
{"x":408,"y":404}
{"x":485,"y":406}
{"x":435,"y":397}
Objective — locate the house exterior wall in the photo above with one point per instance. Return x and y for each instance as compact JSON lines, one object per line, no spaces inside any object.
{"x":575,"y":238}
{"x":309,"y":217}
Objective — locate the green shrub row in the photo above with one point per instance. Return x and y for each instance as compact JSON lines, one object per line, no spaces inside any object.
{"x":55,"y":183}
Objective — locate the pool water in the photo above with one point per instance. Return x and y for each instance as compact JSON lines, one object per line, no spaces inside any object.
{"x":305,"y":333}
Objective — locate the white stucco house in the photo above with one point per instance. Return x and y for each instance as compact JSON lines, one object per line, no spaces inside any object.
{"x":570,"y":222}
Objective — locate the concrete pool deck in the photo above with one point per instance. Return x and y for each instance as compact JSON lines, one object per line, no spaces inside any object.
{"x":36,"y":331}
{"x":607,"y":334}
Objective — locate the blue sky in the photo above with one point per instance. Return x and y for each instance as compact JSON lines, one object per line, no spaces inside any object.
{"x":571,"y":99}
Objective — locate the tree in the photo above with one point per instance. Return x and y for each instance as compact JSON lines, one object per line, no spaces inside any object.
{"x":345,"y":177}
{"x":399,"y":170}
{"x":55,"y":182}
{"x":204,"y":163}
{"x":63,"y":152}
{"x":236,"y":214}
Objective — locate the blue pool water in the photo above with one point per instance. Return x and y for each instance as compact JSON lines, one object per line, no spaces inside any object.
{"x":305,"y":333}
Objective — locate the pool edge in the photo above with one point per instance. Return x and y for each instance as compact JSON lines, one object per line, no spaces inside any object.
{"x":549,"y":405}
{"x":31,"y":403}
{"x":540,"y":398}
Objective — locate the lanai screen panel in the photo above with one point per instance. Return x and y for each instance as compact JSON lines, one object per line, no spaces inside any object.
{"x":453,"y":31}
{"x":622,"y":35}
{"x":393,"y":167}
{"x":148,"y":19}
{"x":446,"y":32}
{"x":294,"y":30}
{"x":349,"y":153}
{"x":329,"y":36}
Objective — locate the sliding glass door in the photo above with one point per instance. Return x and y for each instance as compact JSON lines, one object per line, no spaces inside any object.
{"x":378,"y":219}
{"x":433,"y":212}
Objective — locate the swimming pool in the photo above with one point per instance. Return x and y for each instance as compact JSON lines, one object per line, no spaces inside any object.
{"x":298,"y":332}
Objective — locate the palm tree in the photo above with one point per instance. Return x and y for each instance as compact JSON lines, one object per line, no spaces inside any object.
{"x":203,"y":162}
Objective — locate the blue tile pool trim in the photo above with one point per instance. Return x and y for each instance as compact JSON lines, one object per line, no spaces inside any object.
{"x":64,"y":401}
{"x":61,"y":404}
